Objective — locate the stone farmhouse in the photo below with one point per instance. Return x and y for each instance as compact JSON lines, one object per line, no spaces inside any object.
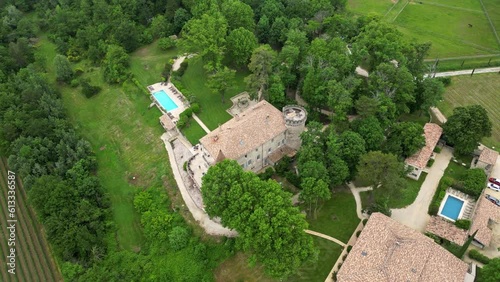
{"x":256,"y":138}
{"x":418,"y":161}
{"x":387,"y":250}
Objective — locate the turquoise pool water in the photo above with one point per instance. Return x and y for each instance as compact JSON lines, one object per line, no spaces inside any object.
{"x":165,"y":101}
{"x":452,"y":207}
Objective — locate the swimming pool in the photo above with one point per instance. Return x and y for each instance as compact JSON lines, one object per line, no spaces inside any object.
{"x":165,"y":101}
{"x":452,"y":207}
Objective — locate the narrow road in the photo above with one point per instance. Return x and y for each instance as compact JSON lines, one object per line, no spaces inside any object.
{"x":325,"y":237}
{"x":465,"y":72}
{"x":415,"y":215}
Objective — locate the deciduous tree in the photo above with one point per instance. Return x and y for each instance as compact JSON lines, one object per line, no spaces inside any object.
{"x":466,"y":127}
{"x":405,"y":138}
{"x":369,"y":128}
{"x":63,"y":69}
{"x":313,"y":192}
{"x":116,"y":65}
{"x":242,"y":42}
{"x":261,"y":66}
{"x":221,"y":80}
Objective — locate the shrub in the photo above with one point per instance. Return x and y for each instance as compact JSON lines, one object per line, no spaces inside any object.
{"x":178,"y":238}
{"x":89,"y":90}
{"x":267,"y":174}
{"x":463,"y":224}
{"x":283,"y":165}
{"x":430,"y":162}
{"x":166,"y":43}
{"x":188,"y":112}
{"x":293,"y":178}
{"x":473,"y":182}
{"x":184,"y":166}
{"x":182,"y":69}
{"x":183,"y":120}
{"x":445,"y":80}
{"x":344,"y":257}
{"x":74,"y":83}
{"x":358,"y":232}
{"x":379,"y":206}
{"x":195,"y":107}
{"x":475,"y":255}
{"x":437,"y":149}
{"x":78,"y":72}
{"x":167,"y":69}
{"x":349,"y":248}
{"x":365,"y":221}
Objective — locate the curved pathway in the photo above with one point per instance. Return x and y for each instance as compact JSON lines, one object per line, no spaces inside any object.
{"x":355,"y":192}
{"x":415,"y":215}
{"x":211,"y":227}
{"x":325,"y":237}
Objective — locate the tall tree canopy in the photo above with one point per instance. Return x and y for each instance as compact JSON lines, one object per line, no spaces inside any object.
{"x":262,"y":213}
{"x":405,"y":138}
{"x":466,"y":127}
{"x":261,"y":66}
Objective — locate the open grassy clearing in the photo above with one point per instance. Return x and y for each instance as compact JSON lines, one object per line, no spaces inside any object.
{"x":337,"y":218}
{"x":482,"y":89}
{"x":34,"y":261}
{"x":148,"y":62}
{"x":125,"y":136}
{"x":213,"y":111}
{"x":445,"y":23}
{"x":236,"y":269}
{"x":329,"y":252}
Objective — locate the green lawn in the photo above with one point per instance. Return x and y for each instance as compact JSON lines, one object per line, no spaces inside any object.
{"x":405,"y":198}
{"x":193,"y":132}
{"x":147,"y":63}
{"x":213,"y":112}
{"x":445,"y":23}
{"x":337,"y":217}
{"x":125,"y":137}
{"x":493,"y":9}
{"x":479,"y":89}
{"x":455,"y":171}
{"x":318,"y":271}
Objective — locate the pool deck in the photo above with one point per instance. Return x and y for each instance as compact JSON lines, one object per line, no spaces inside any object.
{"x":178,"y":98}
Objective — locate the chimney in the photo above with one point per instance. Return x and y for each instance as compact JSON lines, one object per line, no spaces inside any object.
{"x":267,"y":119}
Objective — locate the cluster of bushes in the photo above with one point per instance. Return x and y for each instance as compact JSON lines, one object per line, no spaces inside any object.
{"x":445,"y":80}
{"x":185,"y":117}
{"x":267,"y":174}
{"x":430,"y":162}
{"x":380,"y":206}
{"x":166,"y":43}
{"x":179,"y":73}
{"x":140,"y":86}
{"x":475,"y":255}
{"x":463,"y":224}
{"x":437,"y":149}
{"x":472,"y":183}
{"x":89,"y":90}
{"x":167,"y":70}
{"x":439,"y":194}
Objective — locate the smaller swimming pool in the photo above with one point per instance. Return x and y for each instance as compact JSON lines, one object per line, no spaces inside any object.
{"x":165,"y":101}
{"x":452,"y":207}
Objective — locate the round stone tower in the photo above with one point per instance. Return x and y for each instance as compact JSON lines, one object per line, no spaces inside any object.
{"x":295,"y":121}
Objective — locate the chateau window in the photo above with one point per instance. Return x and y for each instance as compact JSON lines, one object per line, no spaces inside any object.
{"x":269,"y":150}
{"x":245,"y":156}
{"x":249,"y":162}
{"x":258,"y":157}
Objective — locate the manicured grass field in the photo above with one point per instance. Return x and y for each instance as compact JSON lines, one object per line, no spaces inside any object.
{"x":213,"y":111}
{"x":125,"y":136}
{"x":405,"y":198}
{"x":337,"y":217}
{"x":148,"y":62}
{"x":445,"y":23}
{"x":193,"y":132}
{"x":236,"y":269}
{"x":318,"y":271}
{"x":482,"y":89}
{"x":33,"y":258}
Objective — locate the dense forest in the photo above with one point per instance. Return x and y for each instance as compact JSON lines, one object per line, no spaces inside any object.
{"x":309,"y":47}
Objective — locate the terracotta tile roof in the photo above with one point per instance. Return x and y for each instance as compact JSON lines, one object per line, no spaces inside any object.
{"x":484,"y":211}
{"x":243,"y":133}
{"x":444,"y":229}
{"x":389,"y":251}
{"x":432,"y":132}
{"x":488,"y":156}
{"x":167,"y":122}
